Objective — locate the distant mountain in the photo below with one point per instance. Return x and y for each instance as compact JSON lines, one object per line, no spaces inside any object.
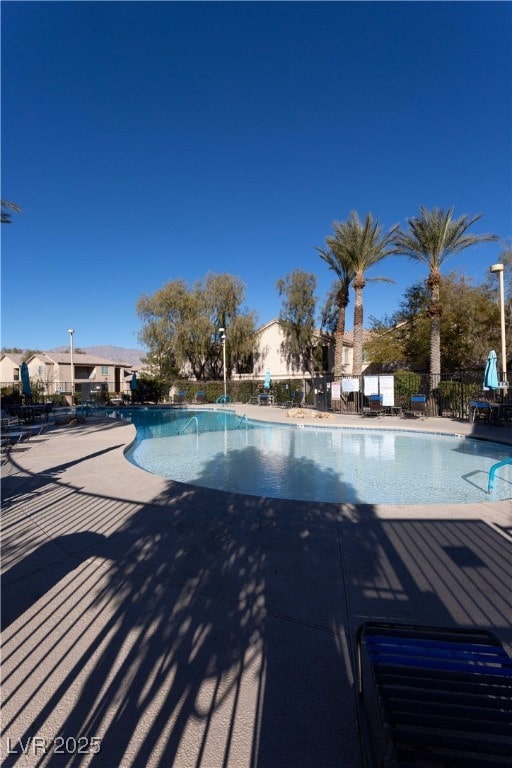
{"x":118,"y":354}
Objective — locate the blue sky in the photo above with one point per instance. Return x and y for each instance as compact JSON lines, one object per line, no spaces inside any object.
{"x":153,"y":141}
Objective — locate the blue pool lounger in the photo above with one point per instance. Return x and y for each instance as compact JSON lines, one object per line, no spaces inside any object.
{"x":444,"y":696}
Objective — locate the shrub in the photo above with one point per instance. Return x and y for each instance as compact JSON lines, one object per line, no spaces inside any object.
{"x":407,"y":383}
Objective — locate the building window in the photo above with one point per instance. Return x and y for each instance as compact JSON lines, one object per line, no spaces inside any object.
{"x":16,"y":374}
{"x":104,"y":370}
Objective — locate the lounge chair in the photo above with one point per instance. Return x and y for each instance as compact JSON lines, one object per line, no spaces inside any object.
{"x":200,"y":397}
{"x":417,"y":407}
{"x":444,"y":696}
{"x":375,"y":407}
{"x":181,"y":397}
{"x":479,"y":409}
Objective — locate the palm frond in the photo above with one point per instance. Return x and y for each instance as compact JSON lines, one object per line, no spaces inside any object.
{"x":7,"y":208}
{"x":434,"y":235}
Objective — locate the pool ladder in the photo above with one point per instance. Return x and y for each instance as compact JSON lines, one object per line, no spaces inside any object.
{"x":189,"y":422}
{"x":492,"y":472}
{"x":242,"y":419}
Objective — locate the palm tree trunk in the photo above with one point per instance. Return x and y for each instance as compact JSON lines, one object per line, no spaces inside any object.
{"x":338,"y":341}
{"x":357,"y":365}
{"x":434,"y":312}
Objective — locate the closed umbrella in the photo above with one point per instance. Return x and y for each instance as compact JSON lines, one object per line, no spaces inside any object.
{"x":133,"y":385}
{"x":25,"y":380}
{"x":266,"y":383}
{"x":491,"y":371}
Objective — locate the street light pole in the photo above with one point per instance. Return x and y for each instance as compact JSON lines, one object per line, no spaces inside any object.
{"x":222,"y":331}
{"x":71,"y":332}
{"x":499,"y":269}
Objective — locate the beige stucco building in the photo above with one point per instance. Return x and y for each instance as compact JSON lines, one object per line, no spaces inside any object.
{"x":52,"y":372}
{"x":268,"y":353}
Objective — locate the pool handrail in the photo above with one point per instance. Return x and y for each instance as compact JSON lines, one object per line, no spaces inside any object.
{"x":492,"y":472}
{"x":242,"y":419}
{"x":189,"y":422}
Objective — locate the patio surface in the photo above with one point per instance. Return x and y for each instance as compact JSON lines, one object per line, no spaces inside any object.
{"x":171,"y":625}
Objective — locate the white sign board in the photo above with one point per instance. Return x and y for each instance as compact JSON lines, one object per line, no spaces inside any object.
{"x":335,"y":390}
{"x":371,"y":385}
{"x":387,"y":389}
{"x":350,"y":384}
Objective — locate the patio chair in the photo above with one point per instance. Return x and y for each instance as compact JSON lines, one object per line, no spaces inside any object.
{"x":417,"y":407}
{"x":479,"y":409}
{"x":181,"y":397}
{"x":444,"y":696}
{"x":375,"y":407}
{"x":200,"y":397}
{"x":296,"y":399}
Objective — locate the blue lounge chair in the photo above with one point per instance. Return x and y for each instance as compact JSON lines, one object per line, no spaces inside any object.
{"x":375,"y":407}
{"x":417,"y":407}
{"x":444,"y":696}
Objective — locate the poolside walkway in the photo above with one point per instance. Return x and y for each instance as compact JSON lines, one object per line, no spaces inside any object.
{"x":170,"y":625}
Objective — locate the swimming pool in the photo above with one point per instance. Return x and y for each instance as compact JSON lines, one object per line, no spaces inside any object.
{"x":340,"y":464}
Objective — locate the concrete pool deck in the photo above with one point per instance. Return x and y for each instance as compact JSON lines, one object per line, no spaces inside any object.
{"x":171,"y":625}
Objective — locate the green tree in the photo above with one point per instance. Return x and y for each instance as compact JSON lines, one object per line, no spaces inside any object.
{"x":223,"y":296}
{"x":359,"y":246}
{"x":160,"y":314}
{"x":297,"y":318}
{"x":338,"y":259}
{"x":181,"y":325}
{"x":7,"y":209}
{"x":432,"y":238}
{"x":469,"y":327}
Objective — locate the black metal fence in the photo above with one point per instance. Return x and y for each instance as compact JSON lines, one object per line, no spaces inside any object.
{"x":446,"y":395}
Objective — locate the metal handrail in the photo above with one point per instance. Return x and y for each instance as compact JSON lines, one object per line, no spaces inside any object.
{"x":243,"y":418}
{"x":189,"y":422}
{"x":492,"y":472}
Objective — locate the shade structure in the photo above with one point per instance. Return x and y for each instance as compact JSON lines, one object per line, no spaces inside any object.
{"x":133,"y":382}
{"x":25,"y":380}
{"x":491,"y":371}
{"x":266,"y":383}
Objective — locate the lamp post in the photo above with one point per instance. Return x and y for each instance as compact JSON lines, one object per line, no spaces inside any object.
{"x":499,"y":269}
{"x":71,"y":332}
{"x":222,"y":332}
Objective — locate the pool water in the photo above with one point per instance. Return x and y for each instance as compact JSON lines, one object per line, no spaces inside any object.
{"x":225,"y":451}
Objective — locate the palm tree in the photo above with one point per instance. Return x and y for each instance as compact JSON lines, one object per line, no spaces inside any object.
{"x":360,"y":245}
{"x":432,"y":238}
{"x":7,"y":209}
{"x":339,"y":263}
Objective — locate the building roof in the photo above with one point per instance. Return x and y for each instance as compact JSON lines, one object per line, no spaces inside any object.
{"x":348,"y":337}
{"x":317,"y":331}
{"x":79,"y":358}
{"x":16,"y":357}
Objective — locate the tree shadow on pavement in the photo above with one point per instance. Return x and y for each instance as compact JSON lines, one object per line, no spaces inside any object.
{"x":214,"y":629}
